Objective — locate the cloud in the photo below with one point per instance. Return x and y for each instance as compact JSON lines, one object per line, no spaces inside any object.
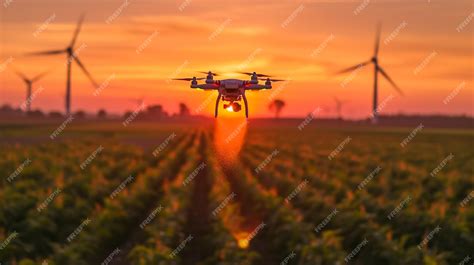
{"x":180,"y":25}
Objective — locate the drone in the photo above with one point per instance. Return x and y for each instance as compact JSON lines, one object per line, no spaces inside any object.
{"x":231,"y":91}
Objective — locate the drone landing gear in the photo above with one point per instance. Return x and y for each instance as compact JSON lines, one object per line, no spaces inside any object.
{"x":217,"y":105}
{"x":246,"y":107}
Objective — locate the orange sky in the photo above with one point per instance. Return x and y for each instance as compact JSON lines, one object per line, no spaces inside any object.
{"x":179,"y":37}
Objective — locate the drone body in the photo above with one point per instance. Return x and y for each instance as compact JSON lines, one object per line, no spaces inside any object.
{"x":231,"y":91}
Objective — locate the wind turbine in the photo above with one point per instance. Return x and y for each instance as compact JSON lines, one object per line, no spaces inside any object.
{"x":29,"y":83}
{"x":377,"y":69}
{"x":71,"y":57}
{"x":339,"y":104}
{"x":139,"y":101}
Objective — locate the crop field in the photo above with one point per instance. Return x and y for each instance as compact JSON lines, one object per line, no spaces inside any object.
{"x":235,"y":193}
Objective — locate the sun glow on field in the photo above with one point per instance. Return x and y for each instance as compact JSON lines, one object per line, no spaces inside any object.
{"x":242,"y":240}
{"x":229,"y":135}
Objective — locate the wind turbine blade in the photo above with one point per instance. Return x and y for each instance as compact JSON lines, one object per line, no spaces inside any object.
{"x":352,"y":68}
{"x":38,"y":77}
{"x":273,"y":80}
{"x":85,"y":71}
{"x":390,"y":80}
{"x":51,"y":52}
{"x":21,"y":75}
{"x":213,"y":74}
{"x":188,"y":79}
{"x":76,"y":32}
{"x":377,"y":39}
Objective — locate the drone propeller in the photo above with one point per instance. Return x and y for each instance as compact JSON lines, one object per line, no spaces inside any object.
{"x":250,"y":74}
{"x":208,"y":72}
{"x":273,"y":80}
{"x":188,"y":79}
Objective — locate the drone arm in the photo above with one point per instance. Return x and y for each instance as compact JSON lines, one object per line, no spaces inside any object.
{"x":217,"y":105}
{"x":257,"y":87}
{"x":206,"y":86}
{"x":246,"y":106}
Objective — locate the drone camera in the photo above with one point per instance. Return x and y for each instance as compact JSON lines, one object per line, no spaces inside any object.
{"x":236,"y":107}
{"x":233,"y":107}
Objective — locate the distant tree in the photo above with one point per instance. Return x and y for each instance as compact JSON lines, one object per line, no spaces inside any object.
{"x":80,"y":114}
{"x":102,"y":114}
{"x":155,"y":112}
{"x":277,"y":106}
{"x":55,"y":114}
{"x":35,"y":114}
{"x":6,"y":108}
{"x":127,"y":114}
{"x":183,"y":110}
